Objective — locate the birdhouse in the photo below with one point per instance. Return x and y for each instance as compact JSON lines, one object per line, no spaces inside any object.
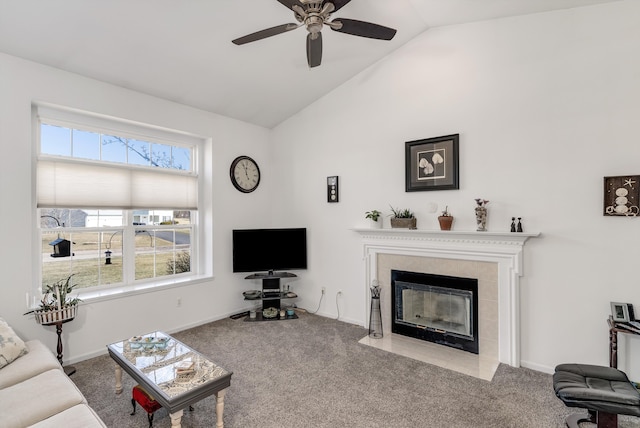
{"x":61,"y":247}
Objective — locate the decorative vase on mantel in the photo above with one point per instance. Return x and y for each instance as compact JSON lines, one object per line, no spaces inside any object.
{"x":445,"y":220}
{"x":481,"y":215}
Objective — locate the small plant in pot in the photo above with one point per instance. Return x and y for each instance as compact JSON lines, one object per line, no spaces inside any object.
{"x":403,"y":218}
{"x":56,"y":304}
{"x":374,"y":216}
{"x":446,"y":219}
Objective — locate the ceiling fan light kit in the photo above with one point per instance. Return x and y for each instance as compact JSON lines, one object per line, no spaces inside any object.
{"x":314,"y":15}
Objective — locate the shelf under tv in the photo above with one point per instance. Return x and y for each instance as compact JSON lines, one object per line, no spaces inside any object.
{"x":271,"y":294}
{"x":271,"y":274}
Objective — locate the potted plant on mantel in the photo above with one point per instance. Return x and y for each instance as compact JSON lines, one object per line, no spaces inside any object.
{"x":403,"y":219}
{"x":56,"y":304}
{"x":374,"y":216}
{"x":446,"y":219}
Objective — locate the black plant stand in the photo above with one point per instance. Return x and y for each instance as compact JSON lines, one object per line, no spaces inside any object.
{"x":69,"y":370}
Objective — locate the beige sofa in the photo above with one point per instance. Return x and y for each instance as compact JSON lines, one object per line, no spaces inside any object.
{"x":35,"y":391}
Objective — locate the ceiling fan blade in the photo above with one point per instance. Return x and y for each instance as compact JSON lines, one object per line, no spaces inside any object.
{"x":339,"y":4}
{"x":290,"y":3}
{"x":263,"y":34}
{"x":314,"y":49}
{"x":363,"y":29}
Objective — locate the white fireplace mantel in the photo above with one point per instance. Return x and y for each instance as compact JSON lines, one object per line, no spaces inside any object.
{"x":503,"y":248}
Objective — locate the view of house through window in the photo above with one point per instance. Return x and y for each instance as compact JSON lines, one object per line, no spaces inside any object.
{"x":95,"y":255}
{"x":105,"y":230}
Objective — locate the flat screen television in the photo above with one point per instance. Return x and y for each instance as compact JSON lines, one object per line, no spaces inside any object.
{"x":260,"y":250}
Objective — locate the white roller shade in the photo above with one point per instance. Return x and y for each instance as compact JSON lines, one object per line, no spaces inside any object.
{"x":72,"y":184}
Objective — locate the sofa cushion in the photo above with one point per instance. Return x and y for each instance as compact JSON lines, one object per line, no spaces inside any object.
{"x":11,"y":346}
{"x":80,"y":416}
{"x":38,"y":398}
{"x":38,"y":360}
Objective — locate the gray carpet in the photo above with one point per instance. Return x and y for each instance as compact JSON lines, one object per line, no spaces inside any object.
{"x":312,"y":372}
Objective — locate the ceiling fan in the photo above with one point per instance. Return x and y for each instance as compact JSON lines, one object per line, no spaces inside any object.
{"x":314,"y":14}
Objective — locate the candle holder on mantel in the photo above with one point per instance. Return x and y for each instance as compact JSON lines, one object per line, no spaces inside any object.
{"x":375,"y":316}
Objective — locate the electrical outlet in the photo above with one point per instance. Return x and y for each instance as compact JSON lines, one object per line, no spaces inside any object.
{"x":179,"y":302}
{"x":324,"y":289}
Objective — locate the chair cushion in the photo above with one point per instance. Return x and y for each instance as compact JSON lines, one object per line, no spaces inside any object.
{"x":596,"y":388}
{"x":11,"y":346}
{"x":142,"y":397}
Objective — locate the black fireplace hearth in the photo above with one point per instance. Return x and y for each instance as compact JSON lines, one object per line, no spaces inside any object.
{"x":435,"y":308}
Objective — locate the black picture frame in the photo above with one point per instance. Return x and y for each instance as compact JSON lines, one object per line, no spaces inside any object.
{"x":622,"y":196}
{"x":620,"y":312}
{"x":432,"y":164}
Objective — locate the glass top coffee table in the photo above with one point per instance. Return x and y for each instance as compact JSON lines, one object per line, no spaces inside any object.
{"x":173,"y":373}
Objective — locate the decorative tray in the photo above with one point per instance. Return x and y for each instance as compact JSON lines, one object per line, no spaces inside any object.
{"x":148,"y":342}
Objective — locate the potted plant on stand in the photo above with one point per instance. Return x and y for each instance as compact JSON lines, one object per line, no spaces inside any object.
{"x":374,"y":216}
{"x":56,"y":304}
{"x":56,"y":308}
{"x":446,"y":219}
{"x":403,"y":219}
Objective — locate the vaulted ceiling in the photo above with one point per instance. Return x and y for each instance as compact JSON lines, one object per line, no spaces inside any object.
{"x":182,"y":50}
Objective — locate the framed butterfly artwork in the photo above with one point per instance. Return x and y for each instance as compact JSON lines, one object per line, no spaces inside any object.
{"x":432,"y":164}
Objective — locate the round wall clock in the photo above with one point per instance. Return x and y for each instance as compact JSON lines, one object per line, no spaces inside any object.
{"x":245,"y":174}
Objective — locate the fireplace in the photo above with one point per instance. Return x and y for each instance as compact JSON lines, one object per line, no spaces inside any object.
{"x":495,"y":259}
{"x":435,"y":308}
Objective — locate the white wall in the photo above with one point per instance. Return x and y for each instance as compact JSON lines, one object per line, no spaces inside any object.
{"x":546,"y":106}
{"x":100,"y":323}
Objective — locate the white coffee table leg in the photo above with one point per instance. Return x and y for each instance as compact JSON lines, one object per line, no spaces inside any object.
{"x":118,"y":379}
{"x":220,"y":407}
{"x":175,"y":419}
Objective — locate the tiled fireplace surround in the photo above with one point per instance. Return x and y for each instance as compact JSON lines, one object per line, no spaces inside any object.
{"x":494,"y":259}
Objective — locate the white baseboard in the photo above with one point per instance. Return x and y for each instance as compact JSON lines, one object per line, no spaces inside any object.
{"x":103,"y":350}
{"x":537,"y":367}
{"x":333,"y":316}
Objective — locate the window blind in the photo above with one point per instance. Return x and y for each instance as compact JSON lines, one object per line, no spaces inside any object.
{"x":76,"y":184}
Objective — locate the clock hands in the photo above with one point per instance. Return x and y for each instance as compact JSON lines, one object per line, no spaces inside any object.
{"x":246,"y":172}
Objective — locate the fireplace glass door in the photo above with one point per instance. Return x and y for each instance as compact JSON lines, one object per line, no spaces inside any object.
{"x":441,"y":309}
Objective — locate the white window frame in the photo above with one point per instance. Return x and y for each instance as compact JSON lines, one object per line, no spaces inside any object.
{"x":201,"y":244}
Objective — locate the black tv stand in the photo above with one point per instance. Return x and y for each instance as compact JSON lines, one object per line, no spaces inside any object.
{"x":271,"y":274}
{"x":271,"y":294}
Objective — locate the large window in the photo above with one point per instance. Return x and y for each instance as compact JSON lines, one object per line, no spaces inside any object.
{"x":117,"y":203}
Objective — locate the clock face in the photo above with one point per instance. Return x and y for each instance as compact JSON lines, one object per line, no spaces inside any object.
{"x":245,"y":174}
